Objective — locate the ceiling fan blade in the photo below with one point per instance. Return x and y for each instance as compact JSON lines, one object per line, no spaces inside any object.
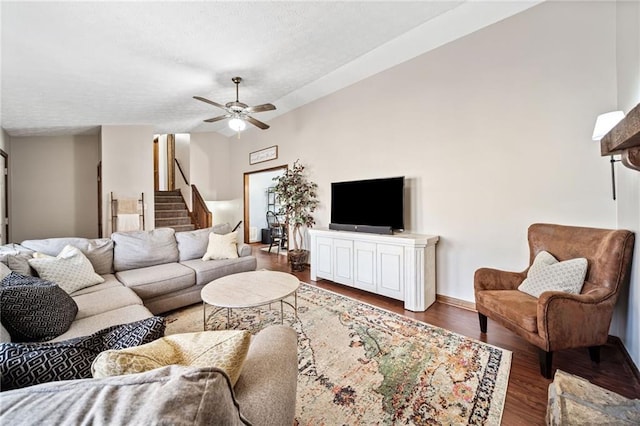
{"x":257,"y":123}
{"x":200,"y":98}
{"x":260,"y":108}
{"x":214,"y":119}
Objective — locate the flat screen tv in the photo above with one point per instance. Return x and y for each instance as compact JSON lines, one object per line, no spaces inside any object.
{"x":373,"y":205}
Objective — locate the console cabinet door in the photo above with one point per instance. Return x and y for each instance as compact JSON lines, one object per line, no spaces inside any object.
{"x":343,"y":261}
{"x":324,"y":257}
{"x":364,"y":265}
{"x":390,"y":275}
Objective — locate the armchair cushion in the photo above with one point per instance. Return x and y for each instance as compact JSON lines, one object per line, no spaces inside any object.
{"x":547,"y":274}
{"x":511,"y":307}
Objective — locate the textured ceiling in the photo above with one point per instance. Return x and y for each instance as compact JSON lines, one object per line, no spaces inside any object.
{"x":69,"y":67}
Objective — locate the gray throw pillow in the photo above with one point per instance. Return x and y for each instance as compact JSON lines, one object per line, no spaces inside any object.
{"x":27,"y":364}
{"x":192,"y":244}
{"x":20,"y":263}
{"x":172,"y":395}
{"x":34,"y":309}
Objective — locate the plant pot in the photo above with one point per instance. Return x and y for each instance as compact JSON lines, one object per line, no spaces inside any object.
{"x":298,"y":260}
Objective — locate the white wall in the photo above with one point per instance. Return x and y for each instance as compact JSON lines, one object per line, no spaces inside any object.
{"x":492,"y":132}
{"x":209,"y":164}
{"x":127,"y":168}
{"x":183,"y":155}
{"x":626,"y":321}
{"x":54,"y":187}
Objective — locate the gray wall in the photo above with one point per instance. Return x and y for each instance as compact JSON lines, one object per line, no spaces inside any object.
{"x":54,"y":187}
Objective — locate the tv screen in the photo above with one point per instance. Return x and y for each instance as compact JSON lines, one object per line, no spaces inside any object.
{"x":373,"y":202}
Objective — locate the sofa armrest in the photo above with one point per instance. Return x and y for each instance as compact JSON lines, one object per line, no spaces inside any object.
{"x":4,"y":335}
{"x":266,"y":389}
{"x":495,"y":279}
{"x":574,"y":320}
{"x":244,"y":250}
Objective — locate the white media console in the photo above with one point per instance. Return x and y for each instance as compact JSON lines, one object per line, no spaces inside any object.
{"x":401,"y":266}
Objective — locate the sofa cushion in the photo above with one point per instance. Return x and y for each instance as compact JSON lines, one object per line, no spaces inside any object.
{"x":106,"y":300}
{"x":170,"y":396}
{"x":110,"y":281}
{"x":19,"y":262}
{"x":193,"y":244}
{"x":16,"y":258}
{"x":99,"y":251}
{"x":34,"y":309}
{"x":209,"y":270}
{"x":88,"y":325}
{"x":4,"y":270}
{"x":156,"y":280}
{"x":140,"y":249}
{"x":27,"y":364}
{"x":221,"y":247}
{"x":70,"y":269}
{"x":547,"y":274}
{"x":225,"y":349}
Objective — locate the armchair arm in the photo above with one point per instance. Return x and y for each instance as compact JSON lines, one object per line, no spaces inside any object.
{"x":495,"y":279}
{"x":574,"y":320}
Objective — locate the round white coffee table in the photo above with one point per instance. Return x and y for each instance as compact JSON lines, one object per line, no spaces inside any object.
{"x":248,"y":290}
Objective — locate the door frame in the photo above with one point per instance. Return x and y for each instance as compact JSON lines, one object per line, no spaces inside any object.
{"x":5,"y":219}
{"x":247,"y":192}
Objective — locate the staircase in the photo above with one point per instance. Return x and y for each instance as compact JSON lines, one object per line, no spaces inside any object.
{"x":171,"y":211}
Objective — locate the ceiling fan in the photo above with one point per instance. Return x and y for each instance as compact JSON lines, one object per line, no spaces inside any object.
{"x":238,"y":112}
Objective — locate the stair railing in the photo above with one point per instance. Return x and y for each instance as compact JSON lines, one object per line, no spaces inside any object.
{"x":181,"y":172}
{"x":201,"y":215}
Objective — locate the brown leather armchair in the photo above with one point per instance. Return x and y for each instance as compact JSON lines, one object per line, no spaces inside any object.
{"x":558,"y":320}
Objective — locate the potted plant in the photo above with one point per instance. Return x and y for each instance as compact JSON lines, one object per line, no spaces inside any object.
{"x":297,"y":199}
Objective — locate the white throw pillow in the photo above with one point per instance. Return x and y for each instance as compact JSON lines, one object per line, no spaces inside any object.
{"x":547,"y":274}
{"x":221,"y":247}
{"x":70,"y":269}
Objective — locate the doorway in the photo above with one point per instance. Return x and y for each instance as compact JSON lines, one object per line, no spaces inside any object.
{"x":256,"y":200}
{"x":4,"y":197}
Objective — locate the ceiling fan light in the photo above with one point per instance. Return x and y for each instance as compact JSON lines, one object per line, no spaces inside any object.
{"x":237,"y":124}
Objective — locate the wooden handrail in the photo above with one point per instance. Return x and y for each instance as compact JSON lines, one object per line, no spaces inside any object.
{"x":201,"y":215}
{"x":181,"y":172}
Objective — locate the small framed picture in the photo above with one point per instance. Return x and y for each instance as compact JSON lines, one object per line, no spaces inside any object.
{"x":265,"y":154}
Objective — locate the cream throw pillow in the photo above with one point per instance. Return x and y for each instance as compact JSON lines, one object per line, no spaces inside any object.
{"x":221,"y":247}
{"x":70,"y":269}
{"x":547,"y":274}
{"x":225,"y":349}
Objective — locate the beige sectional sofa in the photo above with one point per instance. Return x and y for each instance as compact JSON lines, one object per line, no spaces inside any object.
{"x":144,"y":272}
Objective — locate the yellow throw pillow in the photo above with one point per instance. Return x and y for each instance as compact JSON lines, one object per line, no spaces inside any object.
{"x":221,"y":247}
{"x":225,"y":349}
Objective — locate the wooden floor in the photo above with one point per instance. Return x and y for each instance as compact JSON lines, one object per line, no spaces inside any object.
{"x":526,"y":401}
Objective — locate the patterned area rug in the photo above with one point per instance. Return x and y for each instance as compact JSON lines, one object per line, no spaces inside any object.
{"x":359,"y":364}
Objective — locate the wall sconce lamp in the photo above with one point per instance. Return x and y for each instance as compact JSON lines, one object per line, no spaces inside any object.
{"x":604,"y":123}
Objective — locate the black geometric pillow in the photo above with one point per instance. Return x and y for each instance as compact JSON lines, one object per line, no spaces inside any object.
{"x":26,"y":364}
{"x":34,"y":309}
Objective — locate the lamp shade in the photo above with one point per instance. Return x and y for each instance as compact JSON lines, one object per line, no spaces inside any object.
{"x":606,"y":122}
{"x":237,"y":124}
